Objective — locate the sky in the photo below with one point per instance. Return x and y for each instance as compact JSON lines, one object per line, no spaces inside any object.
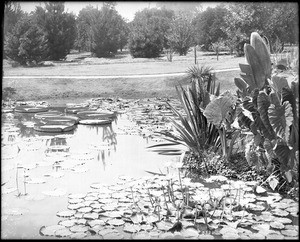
{"x":126,"y":9}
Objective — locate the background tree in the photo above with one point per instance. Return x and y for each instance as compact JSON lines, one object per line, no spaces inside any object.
{"x":60,"y":29}
{"x":106,"y":32}
{"x":27,"y":43}
{"x":147,"y":36}
{"x":209,"y":25}
{"x":87,"y":18}
{"x":181,"y":33}
{"x":12,"y":14}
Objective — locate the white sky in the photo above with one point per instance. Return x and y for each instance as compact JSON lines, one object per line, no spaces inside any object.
{"x":126,"y":9}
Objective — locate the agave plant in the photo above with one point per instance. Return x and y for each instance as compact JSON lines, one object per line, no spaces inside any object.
{"x":192,"y":130}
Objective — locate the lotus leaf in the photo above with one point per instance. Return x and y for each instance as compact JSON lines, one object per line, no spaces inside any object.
{"x":96,"y":222}
{"x":112,"y":214}
{"x":81,"y":221}
{"x":283,"y":220}
{"x":78,"y":215}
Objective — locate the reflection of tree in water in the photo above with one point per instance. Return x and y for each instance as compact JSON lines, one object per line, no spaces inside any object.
{"x":20,"y":119}
{"x":108,"y":138}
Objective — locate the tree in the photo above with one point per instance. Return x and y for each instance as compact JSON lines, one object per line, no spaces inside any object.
{"x":147,"y":36}
{"x":59,"y":27}
{"x":87,"y":18}
{"x":181,"y":33}
{"x":12,"y":14}
{"x":26,"y":44}
{"x":107,"y":32}
{"x":209,"y":26}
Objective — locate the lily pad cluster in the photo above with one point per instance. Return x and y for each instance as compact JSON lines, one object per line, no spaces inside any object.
{"x":170,"y":207}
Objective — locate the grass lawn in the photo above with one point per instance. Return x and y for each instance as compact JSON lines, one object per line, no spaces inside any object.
{"x":56,"y":89}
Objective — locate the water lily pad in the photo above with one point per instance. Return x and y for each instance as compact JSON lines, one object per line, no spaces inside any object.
{"x":58,"y":192}
{"x":257,"y":236}
{"x":190,"y":233}
{"x":63,"y":232}
{"x":79,"y":228}
{"x":84,"y":209}
{"x":277,"y":225}
{"x":275,"y":236}
{"x":146,"y":227}
{"x":116,"y":222}
{"x":80,"y":235}
{"x":205,"y":236}
{"x":259,"y":227}
{"x":91,"y":215}
{"x":107,"y":231}
{"x":142,"y":235}
{"x":283,"y":220}
{"x":96,"y":222}
{"x":227,"y":230}
{"x":113,"y":236}
{"x":289,"y":232}
{"x":50,"y":230}
{"x":280,"y":212}
{"x":230,"y":236}
{"x":68,"y":223}
{"x":164,"y":225}
{"x":81,"y":221}
{"x":77,"y":196}
{"x":292,"y":227}
{"x":66,"y":213}
{"x":76,"y":206}
{"x":131,"y":228}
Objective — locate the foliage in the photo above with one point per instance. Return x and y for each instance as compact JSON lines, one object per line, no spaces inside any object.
{"x":217,"y":46}
{"x":181,"y":33}
{"x":193,"y":130}
{"x":12,"y":14}
{"x":147,"y":32}
{"x":106,"y":32}
{"x":8,"y":92}
{"x":272,"y":112}
{"x":60,"y":29}
{"x":26,"y":43}
{"x":208,"y":26}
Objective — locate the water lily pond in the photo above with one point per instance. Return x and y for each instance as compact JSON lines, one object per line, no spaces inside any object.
{"x":101,"y":182}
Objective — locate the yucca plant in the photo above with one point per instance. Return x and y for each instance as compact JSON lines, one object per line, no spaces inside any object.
{"x":192,"y":130}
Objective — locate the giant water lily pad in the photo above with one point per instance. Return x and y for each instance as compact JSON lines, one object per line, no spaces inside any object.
{"x":131,"y":228}
{"x":79,"y":235}
{"x":277,"y":225}
{"x":84,"y":209}
{"x":280,"y":212}
{"x":77,"y":196}
{"x":142,"y":235}
{"x":91,"y":216}
{"x":275,"y":236}
{"x":75,"y":206}
{"x":68,"y":223}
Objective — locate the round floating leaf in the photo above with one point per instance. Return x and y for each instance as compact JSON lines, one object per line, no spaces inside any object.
{"x":261,"y":227}
{"x":63,"y":233}
{"x":66,"y":213}
{"x":256,"y":236}
{"x":96,"y":222}
{"x":190,"y":233}
{"x":284,"y":220}
{"x":84,"y":209}
{"x":275,"y":236}
{"x":115,"y":235}
{"x":78,"y":235}
{"x":289,"y":232}
{"x":50,"y":230}
{"x":75,"y":206}
{"x":77,"y":196}
{"x":142,"y":235}
{"x":91,"y":216}
{"x":116,"y":222}
{"x":230,"y":236}
{"x":131,"y":228}
{"x":107,"y":231}
{"x":79,"y":228}
{"x":146,"y":227}
{"x":280,"y":212}
{"x":276,"y":225}
{"x":205,"y":236}
{"x":68,"y":223}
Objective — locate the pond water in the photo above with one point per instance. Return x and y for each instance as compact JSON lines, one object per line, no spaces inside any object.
{"x":89,"y":182}
{"x":63,"y":164}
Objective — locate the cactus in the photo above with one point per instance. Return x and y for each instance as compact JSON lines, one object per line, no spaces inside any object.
{"x":263,"y":52}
